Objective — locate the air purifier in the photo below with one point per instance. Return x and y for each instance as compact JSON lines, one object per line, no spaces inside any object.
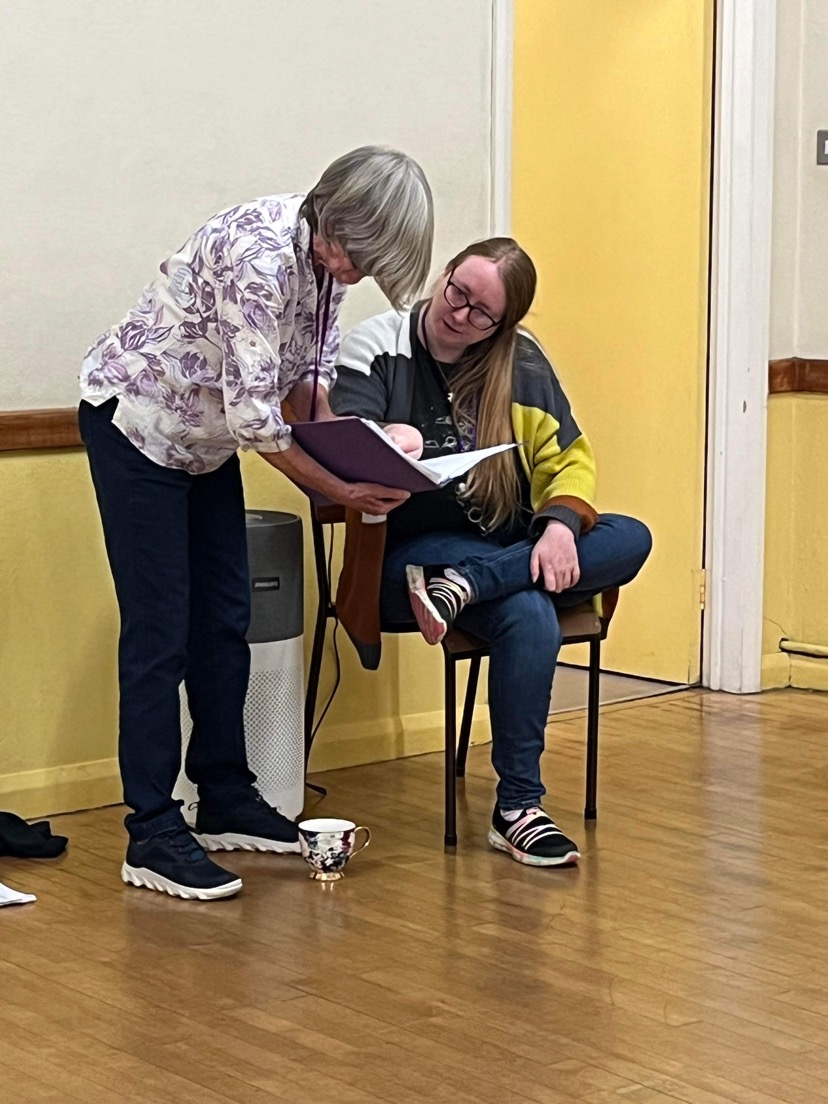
{"x":274,"y":707}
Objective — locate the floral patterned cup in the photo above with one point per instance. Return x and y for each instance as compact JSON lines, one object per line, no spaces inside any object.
{"x":327,"y":844}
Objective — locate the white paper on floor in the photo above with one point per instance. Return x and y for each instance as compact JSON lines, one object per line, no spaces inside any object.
{"x":12,"y":897}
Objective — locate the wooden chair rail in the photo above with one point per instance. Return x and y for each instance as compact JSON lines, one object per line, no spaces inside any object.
{"x":797,"y":375}
{"x":58,"y":428}
{"x":39,"y":429}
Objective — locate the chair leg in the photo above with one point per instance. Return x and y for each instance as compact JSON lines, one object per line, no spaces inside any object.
{"x":468,"y":715}
{"x":319,"y":630}
{"x":593,"y":709}
{"x":450,"y":836}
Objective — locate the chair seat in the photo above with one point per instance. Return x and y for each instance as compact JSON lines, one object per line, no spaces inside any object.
{"x":580,"y":622}
{"x":462,"y":644}
{"x":459,"y":644}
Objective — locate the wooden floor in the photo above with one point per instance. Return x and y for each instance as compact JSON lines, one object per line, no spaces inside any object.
{"x":687,"y":958}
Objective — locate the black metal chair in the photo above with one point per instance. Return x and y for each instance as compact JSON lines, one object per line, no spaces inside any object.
{"x":579,"y":625}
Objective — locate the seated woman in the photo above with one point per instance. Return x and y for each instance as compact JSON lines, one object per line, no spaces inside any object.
{"x":500,"y":551}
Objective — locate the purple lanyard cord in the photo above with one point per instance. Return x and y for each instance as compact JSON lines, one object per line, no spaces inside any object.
{"x":320,"y":333}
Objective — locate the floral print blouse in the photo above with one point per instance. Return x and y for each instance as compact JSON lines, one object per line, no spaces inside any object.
{"x":201,"y":365}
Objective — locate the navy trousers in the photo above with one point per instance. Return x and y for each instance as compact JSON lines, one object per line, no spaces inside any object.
{"x":178,"y":553}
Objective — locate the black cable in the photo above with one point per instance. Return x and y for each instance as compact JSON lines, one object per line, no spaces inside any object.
{"x":337,"y":680}
{"x":329,"y":571}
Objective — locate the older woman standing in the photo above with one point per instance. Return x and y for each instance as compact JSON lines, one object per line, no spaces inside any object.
{"x":241,"y":320}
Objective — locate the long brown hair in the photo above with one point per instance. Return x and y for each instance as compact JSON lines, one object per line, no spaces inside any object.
{"x":483,"y":382}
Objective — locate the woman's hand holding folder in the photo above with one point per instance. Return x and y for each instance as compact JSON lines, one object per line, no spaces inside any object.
{"x":368,"y":498}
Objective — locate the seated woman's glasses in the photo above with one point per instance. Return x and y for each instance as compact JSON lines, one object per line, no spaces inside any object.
{"x":458,"y":300}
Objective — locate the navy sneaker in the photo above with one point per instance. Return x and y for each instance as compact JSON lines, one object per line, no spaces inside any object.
{"x":248,"y":824}
{"x":533,"y":838}
{"x":172,"y":862}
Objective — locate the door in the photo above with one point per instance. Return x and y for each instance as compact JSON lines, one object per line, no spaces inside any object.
{"x":611,"y":186}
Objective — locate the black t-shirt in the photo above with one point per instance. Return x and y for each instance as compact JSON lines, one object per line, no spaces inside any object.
{"x":389,"y":375}
{"x":431,"y":412}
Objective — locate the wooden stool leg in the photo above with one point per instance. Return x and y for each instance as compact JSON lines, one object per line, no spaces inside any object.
{"x":468,"y":715}
{"x":450,"y":836}
{"x":593,"y":709}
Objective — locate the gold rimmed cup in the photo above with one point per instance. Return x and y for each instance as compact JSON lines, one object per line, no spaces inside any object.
{"x":327,"y":844}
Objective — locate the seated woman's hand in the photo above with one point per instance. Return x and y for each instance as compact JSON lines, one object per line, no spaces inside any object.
{"x":555,"y":558}
{"x":406,"y":437}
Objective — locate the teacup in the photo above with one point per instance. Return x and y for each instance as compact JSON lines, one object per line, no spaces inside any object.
{"x":327,"y":844}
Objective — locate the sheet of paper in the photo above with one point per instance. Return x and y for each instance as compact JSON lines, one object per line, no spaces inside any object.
{"x":12,"y":897}
{"x":450,"y":467}
{"x":442,"y":469}
{"x":391,"y":444}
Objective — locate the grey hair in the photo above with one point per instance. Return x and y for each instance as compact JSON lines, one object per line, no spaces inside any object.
{"x":376,"y":204}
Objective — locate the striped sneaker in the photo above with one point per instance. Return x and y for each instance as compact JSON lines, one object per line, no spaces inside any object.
{"x":437,"y":595}
{"x":533,"y":838}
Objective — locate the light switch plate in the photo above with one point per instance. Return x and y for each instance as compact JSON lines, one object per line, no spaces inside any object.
{"x":822,"y":147}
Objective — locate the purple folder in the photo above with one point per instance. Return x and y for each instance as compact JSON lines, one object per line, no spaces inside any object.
{"x":356,"y":454}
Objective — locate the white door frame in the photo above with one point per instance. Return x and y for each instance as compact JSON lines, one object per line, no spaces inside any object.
{"x":740,"y":319}
{"x":739,"y":344}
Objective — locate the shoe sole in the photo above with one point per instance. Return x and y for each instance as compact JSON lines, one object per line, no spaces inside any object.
{"x":429,"y":621}
{"x":234,"y":841}
{"x":142,"y":878}
{"x":500,"y":843}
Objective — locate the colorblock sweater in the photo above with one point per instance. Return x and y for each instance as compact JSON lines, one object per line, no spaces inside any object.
{"x":381,"y":365}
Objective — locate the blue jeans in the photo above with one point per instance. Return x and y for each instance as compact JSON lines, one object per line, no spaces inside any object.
{"x":177,"y":549}
{"x":518,"y":619}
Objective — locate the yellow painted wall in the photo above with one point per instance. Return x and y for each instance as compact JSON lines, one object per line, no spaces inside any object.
{"x":610,"y":186}
{"x":796,"y":539}
{"x":58,"y":634}
{"x":57,"y":628}
{"x":610,"y":196}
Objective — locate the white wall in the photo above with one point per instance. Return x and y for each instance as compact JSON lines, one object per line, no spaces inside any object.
{"x":126,"y":125}
{"x":785,"y":251}
{"x":799,"y":319}
{"x":812,"y":317}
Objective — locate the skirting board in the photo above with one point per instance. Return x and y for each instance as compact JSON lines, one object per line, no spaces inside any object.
{"x":92,"y":785}
{"x":809,"y":674}
{"x":780,"y":669}
{"x":64,"y":789}
{"x":349,"y":745}
{"x":776,"y":671}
